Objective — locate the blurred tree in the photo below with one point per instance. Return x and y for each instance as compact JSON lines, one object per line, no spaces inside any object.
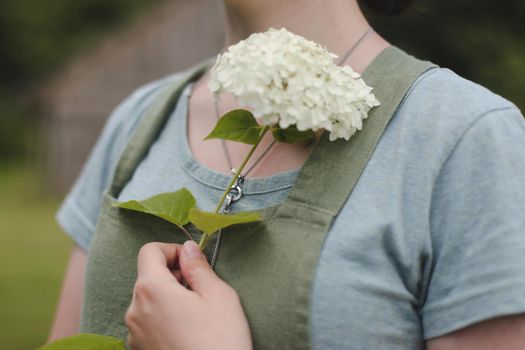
{"x":35,"y":38}
{"x":480,"y":40}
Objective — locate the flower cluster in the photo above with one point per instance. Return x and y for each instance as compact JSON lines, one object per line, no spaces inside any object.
{"x":288,"y":80}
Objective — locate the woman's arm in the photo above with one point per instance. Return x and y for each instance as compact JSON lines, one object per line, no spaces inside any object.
{"x":67,"y":316}
{"x":505,"y":333}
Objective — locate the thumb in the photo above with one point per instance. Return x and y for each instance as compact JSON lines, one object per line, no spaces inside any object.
{"x":195,"y":268}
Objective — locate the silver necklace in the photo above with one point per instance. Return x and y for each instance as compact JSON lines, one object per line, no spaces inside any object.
{"x":236,"y":191}
{"x":356,"y":44}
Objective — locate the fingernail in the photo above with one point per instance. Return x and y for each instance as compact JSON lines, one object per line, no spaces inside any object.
{"x":191,"y":249}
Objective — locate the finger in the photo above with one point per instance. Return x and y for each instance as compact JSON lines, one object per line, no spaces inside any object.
{"x":131,"y":341}
{"x":155,"y":259}
{"x":177,"y":274}
{"x":195,"y":268}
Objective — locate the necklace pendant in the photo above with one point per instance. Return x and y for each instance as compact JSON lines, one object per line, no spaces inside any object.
{"x":235,"y":194}
{"x":236,"y":190}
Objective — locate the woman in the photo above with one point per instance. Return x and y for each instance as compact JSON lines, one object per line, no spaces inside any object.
{"x":426,"y":252}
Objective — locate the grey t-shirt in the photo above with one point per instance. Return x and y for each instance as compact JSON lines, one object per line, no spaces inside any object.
{"x":431,"y":240}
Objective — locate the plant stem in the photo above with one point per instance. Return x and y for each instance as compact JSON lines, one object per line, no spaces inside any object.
{"x":204,"y":241}
{"x":186,"y":233}
{"x":243,"y":164}
{"x":205,"y":238}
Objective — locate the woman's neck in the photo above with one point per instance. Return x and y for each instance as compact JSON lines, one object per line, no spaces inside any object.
{"x":334,"y":24}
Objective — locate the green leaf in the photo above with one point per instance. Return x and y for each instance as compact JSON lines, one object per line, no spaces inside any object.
{"x":212,"y":222}
{"x":172,"y":206}
{"x":292,"y":135}
{"x":238,"y":125}
{"x":86,"y":342}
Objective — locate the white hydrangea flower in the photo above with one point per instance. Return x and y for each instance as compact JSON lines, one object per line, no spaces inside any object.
{"x":289,"y":80}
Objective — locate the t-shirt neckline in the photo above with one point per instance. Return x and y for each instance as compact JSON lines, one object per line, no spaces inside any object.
{"x":211,"y":177}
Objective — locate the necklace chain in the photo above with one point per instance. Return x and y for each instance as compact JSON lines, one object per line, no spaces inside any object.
{"x":227,"y":153}
{"x":236,"y":192}
{"x":356,"y":45}
{"x":269,"y":147}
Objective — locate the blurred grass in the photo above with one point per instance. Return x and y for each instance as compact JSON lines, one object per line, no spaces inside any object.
{"x":33,"y":254}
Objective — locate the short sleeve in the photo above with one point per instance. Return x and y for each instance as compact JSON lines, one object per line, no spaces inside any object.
{"x":79,"y":212}
{"x":478,"y":227}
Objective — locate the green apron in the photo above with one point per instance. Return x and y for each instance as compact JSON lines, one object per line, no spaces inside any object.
{"x":270,"y":264}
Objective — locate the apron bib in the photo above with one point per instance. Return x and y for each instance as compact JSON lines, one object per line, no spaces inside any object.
{"x":270,"y":264}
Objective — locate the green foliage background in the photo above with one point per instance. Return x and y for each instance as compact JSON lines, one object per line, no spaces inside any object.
{"x":481,"y":40}
{"x":32,"y":257}
{"x":36,"y":37}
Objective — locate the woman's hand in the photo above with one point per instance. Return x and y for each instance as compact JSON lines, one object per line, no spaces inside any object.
{"x":165,"y":315}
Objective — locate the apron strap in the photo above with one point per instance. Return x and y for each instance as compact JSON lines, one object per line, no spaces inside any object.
{"x":151,"y":125}
{"x":341,"y":162}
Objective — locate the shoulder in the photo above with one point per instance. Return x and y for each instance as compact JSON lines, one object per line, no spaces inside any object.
{"x":442,"y":109}
{"x":448,"y":102}
{"x":79,"y":212}
{"x":129,"y":112}
{"x":462,"y":150}
{"x":449,"y":94}
{"x":126,"y":116}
